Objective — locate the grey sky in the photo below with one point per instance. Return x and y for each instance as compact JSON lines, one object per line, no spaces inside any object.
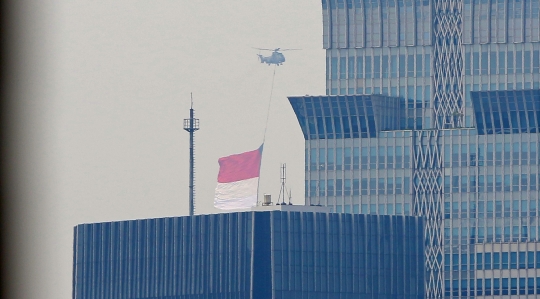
{"x":102,"y":89}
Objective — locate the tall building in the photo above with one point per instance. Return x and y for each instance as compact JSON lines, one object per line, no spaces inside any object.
{"x":465,"y":155}
{"x":251,"y":255}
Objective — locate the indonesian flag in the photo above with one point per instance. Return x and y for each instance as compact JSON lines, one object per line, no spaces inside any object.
{"x":238,"y":180}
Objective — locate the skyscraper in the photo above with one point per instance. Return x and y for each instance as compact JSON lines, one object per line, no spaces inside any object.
{"x":465,"y":155}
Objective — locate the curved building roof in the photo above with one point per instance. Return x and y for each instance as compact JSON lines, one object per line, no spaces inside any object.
{"x":507,"y":111}
{"x":351,"y":116}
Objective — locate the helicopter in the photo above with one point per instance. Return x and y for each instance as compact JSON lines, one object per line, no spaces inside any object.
{"x":276,"y":57}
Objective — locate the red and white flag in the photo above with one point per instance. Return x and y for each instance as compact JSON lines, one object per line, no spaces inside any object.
{"x":238,"y":180}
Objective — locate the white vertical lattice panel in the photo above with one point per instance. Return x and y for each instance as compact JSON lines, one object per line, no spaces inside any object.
{"x":427,"y":203}
{"x":448,"y":64}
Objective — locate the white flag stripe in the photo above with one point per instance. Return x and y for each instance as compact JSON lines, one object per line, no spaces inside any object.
{"x":238,"y":189}
{"x":236,"y":204}
{"x":236,"y":195}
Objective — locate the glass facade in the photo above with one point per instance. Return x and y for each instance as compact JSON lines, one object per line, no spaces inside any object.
{"x":507,"y":112}
{"x":465,"y":156}
{"x":317,"y":255}
{"x":487,"y":182}
{"x":251,"y":255}
{"x":181,"y":257}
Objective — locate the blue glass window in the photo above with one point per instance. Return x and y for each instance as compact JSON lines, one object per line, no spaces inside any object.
{"x":376,"y":66}
{"x":342,"y":67}
{"x":364,"y":186}
{"x":402,"y":66}
{"x":410,"y":66}
{"x":347,"y":158}
{"x":393,"y":68}
{"x":330,"y":159}
{"x":347,"y":188}
{"x":339,"y":187}
{"x":399,"y":185}
{"x":313,"y":159}
{"x":339,"y":158}
{"x":334,"y":68}
{"x":360,"y":68}
{"x":351,"y":65}
{"x":479,"y":287}
{"x":536,"y":61}
{"x":368,"y":67}
{"x":513,"y":260}
{"x":330,"y":189}
{"x":502,"y":62}
{"x":322,"y":187}
{"x":496,"y":286}
{"x":356,"y":187}
{"x":496,"y":260}
{"x":513,"y":286}
{"x":493,"y":62}
{"x":476,"y":63}
{"x":522,"y":260}
{"x":504,"y":260}
{"x":385,"y":69}
{"x":487,"y":283}
{"x":519,"y":62}
{"x":527,"y":61}
{"x":487,"y":261}
{"x":427,"y":65}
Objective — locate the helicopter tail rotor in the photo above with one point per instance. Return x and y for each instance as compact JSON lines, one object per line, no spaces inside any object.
{"x":262,"y":59}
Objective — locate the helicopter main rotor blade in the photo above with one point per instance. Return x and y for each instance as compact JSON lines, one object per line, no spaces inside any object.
{"x":276,"y":49}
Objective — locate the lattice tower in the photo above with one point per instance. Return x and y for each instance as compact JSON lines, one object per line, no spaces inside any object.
{"x":448,"y":64}
{"x":427,"y":192}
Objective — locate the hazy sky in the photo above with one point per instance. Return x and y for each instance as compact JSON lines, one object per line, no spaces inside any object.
{"x":102,"y":90}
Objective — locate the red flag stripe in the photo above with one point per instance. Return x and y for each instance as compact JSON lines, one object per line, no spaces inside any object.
{"x":240,"y":166}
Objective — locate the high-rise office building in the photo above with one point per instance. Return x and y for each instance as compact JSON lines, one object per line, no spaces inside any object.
{"x":465,"y":155}
{"x":283,"y":254}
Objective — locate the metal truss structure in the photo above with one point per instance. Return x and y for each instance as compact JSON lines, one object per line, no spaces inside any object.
{"x":448,"y":64}
{"x":427,"y":192}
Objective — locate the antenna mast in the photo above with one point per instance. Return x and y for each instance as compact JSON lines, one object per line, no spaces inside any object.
{"x":191,"y":125}
{"x":283,"y":191}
